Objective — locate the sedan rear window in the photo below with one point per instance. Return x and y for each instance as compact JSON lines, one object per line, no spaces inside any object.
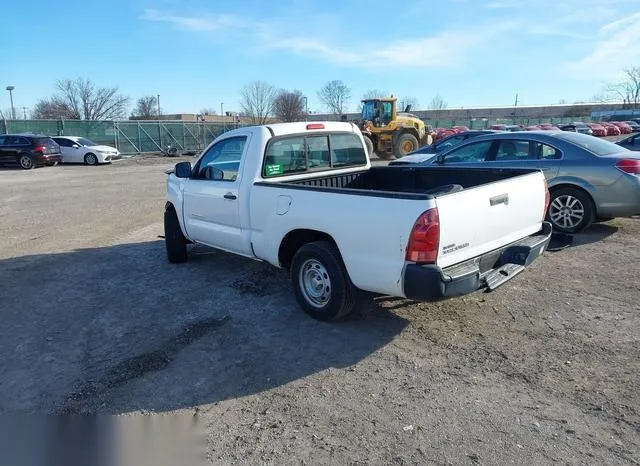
{"x":592,"y":144}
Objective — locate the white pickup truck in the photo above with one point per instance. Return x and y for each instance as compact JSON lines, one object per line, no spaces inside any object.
{"x":304,"y":197}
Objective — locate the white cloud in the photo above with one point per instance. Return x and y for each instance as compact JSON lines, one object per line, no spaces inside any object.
{"x":191,"y":23}
{"x":615,"y":48}
{"x":439,"y":50}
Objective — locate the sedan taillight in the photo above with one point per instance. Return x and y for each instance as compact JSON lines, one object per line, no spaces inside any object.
{"x":631,"y":166}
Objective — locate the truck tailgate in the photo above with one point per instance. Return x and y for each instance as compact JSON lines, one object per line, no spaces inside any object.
{"x":478,"y":220}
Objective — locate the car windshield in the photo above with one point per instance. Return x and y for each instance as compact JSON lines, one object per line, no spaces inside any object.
{"x":597,"y":146}
{"x":85,"y":142}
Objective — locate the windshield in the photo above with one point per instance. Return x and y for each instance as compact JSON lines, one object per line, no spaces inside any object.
{"x":368,"y":110}
{"x":85,"y":142}
{"x":590,"y":143}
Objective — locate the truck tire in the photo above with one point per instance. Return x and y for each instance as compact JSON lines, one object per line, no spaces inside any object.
{"x":321,"y":283}
{"x":369,"y":143}
{"x":570,"y":210}
{"x":405,"y":144}
{"x":174,"y":241}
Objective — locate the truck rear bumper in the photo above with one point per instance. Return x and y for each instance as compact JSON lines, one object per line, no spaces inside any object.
{"x":490,"y":270}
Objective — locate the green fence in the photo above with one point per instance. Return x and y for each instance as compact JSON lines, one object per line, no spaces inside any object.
{"x":130,"y":136}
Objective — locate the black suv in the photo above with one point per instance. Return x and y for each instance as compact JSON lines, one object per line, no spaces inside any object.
{"x":29,"y":151}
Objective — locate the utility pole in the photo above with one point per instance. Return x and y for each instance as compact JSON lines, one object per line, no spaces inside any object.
{"x":224,"y":122}
{"x":158,"y":106}
{"x":306,"y":109}
{"x":515,"y":107}
{"x":13,"y":110}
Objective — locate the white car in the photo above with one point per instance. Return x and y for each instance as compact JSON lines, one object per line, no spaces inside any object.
{"x":82,"y":150}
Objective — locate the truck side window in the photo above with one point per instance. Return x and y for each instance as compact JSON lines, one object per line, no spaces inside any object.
{"x":225,"y":156}
{"x":347,"y":150}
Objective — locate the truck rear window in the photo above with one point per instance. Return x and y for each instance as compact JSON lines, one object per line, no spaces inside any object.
{"x":312,"y":152}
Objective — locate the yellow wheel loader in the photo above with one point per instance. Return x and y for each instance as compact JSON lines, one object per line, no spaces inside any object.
{"x":388,"y":133}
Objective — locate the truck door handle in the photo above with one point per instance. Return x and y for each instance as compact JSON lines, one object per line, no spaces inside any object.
{"x":230,"y":196}
{"x":501,"y":199}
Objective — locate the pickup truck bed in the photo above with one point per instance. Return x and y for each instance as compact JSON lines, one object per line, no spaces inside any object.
{"x":408,"y":182}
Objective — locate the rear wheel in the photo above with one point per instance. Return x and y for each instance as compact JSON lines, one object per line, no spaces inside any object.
{"x":174,"y":241}
{"x":570,"y":210}
{"x":321,"y":283}
{"x":406,"y":144}
{"x":91,"y":159}
{"x":26,"y":162}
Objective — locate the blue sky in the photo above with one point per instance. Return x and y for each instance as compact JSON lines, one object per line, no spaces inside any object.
{"x":199,"y":53}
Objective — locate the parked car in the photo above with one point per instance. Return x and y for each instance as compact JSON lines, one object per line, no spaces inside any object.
{"x":631,"y":142}
{"x":612,"y":130}
{"x":635,"y":126}
{"x":81,"y":150}
{"x":598,"y":130}
{"x":28,"y":151}
{"x":589,"y":179}
{"x":450,"y":141}
{"x":532,"y":128}
{"x":304,"y":197}
{"x":498,"y":127}
{"x":624,"y":128}
{"x":513,"y":128}
{"x":582,"y":128}
{"x":548,"y":127}
{"x":459,"y":128}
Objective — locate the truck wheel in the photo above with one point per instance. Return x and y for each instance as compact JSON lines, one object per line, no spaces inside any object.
{"x":369,"y":143}
{"x":406,"y":144}
{"x":570,"y":210}
{"x":174,"y":240}
{"x":320,"y":281}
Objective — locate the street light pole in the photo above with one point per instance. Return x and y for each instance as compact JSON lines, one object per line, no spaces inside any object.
{"x":306,"y":109}
{"x":13,"y":110}
{"x":158,"y":106}
{"x":224,"y":122}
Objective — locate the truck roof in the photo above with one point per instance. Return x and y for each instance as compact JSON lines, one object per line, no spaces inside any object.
{"x":280,"y":129}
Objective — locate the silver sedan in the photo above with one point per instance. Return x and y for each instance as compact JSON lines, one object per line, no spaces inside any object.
{"x":590,"y":179}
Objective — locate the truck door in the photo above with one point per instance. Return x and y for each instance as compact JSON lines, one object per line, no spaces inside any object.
{"x":211,"y":204}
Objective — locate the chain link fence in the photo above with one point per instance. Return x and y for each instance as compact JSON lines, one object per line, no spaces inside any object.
{"x":129,"y":136}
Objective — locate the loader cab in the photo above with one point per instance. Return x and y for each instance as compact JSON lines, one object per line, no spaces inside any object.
{"x":380,"y":112}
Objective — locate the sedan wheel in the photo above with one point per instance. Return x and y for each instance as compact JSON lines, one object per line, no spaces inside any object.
{"x":570,"y":211}
{"x":91,"y":159}
{"x":26,"y":162}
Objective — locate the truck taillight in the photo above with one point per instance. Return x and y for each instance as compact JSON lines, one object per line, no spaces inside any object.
{"x":424,"y":239}
{"x":631,"y":166}
{"x":546,"y":199}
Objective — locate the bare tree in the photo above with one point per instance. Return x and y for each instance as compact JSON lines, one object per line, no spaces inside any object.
{"x":437,"y":104}
{"x":406,"y":101}
{"x":335,"y":95}
{"x":289,"y":106}
{"x":628,"y":89}
{"x":562,"y":102}
{"x":256,"y":101}
{"x":53,"y":109}
{"x":147,"y":107}
{"x":208,"y":111}
{"x":81,"y":99}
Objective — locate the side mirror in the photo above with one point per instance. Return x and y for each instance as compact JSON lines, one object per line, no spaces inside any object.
{"x":440,"y":159}
{"x":183,"y":170}
{"x":75,"y":146}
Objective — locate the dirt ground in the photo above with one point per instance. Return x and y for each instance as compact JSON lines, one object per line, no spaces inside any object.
{"x":546,"y":369}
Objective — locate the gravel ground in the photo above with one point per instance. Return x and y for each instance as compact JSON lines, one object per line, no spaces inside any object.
{"x":545,"y":369}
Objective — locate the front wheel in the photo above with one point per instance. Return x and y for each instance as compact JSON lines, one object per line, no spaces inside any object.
{"x":320,"y":281}
{"x":174,"y":241}
{"x":406,"y":144}
{"x":91,"y":159}
{"x":570,"y":210}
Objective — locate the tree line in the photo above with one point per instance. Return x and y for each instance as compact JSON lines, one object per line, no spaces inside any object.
{"x":81,"y":99}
